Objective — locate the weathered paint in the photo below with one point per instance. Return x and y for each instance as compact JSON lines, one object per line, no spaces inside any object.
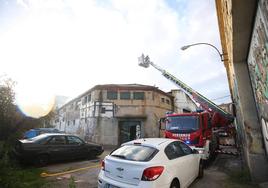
{"x":96,"y":118}
{"x":182,"y":102}
{"x":237,"y":38}
{"x":258,"y":64}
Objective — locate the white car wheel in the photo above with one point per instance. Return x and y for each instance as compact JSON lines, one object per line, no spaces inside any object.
{"x":175,"y":184}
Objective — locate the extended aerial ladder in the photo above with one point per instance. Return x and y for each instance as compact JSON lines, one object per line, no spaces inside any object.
{"x":219,"y":116}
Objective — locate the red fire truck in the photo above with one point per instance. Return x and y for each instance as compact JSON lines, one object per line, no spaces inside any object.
{"x":197,"y":129}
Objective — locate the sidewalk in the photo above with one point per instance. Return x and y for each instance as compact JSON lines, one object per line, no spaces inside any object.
{"x":226,"y":171}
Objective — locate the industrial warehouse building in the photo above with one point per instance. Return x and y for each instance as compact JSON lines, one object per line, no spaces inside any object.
{"x":113,"y":114}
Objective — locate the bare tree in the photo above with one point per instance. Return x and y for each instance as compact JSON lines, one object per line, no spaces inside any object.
{"x":7,"y":107}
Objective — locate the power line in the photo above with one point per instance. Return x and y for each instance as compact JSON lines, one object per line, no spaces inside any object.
{"x":221,"y":97}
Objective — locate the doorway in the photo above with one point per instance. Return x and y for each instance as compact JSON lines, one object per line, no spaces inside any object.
{"x":129,"y":130}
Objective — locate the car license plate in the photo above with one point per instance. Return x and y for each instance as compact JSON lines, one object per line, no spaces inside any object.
{"x":110,"y":186}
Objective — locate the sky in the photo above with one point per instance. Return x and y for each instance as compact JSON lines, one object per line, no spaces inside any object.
{"x":65,"y":47}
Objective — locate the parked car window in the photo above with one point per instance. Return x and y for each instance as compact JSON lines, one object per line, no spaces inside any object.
{"x":73,"y":140}
{"x":57,"y":140}
{"x":186,"y":149}
{"x":173,"y":150}
{"x":43,"y":140}
{"x":135,"y":153}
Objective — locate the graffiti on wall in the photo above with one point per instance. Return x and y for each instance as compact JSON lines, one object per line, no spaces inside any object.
{"x":258,"y":65}
{"x":258,"y":57}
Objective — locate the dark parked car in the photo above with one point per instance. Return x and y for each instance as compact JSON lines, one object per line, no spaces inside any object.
{"x":50,"y":147}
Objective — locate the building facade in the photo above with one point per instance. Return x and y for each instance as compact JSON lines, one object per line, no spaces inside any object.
{"x":243,"y":29}
{"x":182,"y":102}
{"x":113,"y":114}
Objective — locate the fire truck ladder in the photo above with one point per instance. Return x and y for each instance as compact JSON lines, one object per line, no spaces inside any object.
{"x":205,"y":103}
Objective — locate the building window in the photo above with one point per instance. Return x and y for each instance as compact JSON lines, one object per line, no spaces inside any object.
{"x":138,"y":95}
{"x":70,"y":107}
{"x":124,"y":95}
{"x":76,"y":105}
{"x":167,"y":101}
{"x":162,"y":99}
{"x":84,"y":101}
{"x":111,"y":95}
{"x":103,"y":110}
{"x":89,"y":98}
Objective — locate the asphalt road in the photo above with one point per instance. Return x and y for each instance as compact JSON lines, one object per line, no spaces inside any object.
{"x":85,"y":176}
{"x":217,"y":174}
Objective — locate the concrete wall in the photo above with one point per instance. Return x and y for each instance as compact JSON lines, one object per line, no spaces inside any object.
{"x":236,"y":19}
{"x":258,"y":66}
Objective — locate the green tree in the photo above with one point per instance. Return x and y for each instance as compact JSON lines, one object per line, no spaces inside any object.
{"x":13,"y":123}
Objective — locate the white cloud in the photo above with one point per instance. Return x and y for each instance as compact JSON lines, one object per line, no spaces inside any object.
{"x":70,"y":46}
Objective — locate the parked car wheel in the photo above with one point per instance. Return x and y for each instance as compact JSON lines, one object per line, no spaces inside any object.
{"x":201,"y":170}
{"x":42,"y":160}
{"x":175,"y":184}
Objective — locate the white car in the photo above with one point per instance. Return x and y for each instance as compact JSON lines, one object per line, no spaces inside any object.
{"x":151,"y":162}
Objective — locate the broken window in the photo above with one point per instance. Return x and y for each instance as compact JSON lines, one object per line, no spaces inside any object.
{"x":76,"y":105}
{"x":167,"y":101}
{"x":103,"y":110}
{"x":89,"y":98}
{"x":84,"y":100}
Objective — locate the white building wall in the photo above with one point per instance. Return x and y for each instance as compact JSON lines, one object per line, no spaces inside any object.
{"x":182,"y":101}
{"x":83,"y":119}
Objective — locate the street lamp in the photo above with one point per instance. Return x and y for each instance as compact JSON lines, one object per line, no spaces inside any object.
{"x":203,"y":43}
